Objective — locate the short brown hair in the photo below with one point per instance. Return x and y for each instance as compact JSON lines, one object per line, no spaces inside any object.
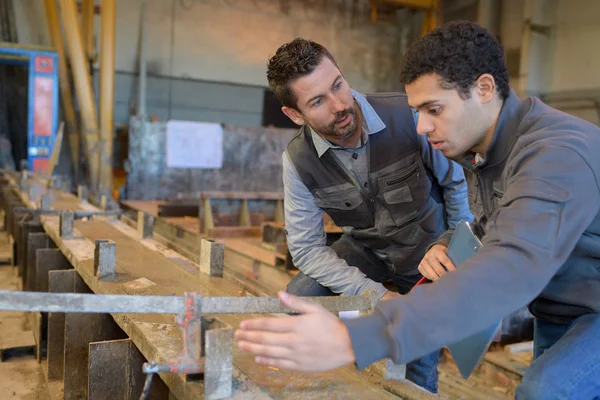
{"x":291,"y":61}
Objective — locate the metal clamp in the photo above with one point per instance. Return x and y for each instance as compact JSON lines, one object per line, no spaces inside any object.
{"x":205,"y":340}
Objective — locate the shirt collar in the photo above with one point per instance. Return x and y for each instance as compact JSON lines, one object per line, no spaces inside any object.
{"x":371,"y":124}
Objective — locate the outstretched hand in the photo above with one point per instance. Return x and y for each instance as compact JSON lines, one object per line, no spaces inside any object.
{"x":313,"y":341}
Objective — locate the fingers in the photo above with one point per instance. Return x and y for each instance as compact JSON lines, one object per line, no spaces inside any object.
{"x":263,"y":350}
{"x":436,"y":263}
{"x":427,"y":271}
{"x":278,"y":362}
{"x":274,"y":324}
{"x":297,"y":304}
{"x":443,"y":258}
{"x":261,"y":337}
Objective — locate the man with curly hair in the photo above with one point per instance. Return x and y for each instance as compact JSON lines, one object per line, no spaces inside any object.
{"x":535,"y":175}
{"x":359,"y":159}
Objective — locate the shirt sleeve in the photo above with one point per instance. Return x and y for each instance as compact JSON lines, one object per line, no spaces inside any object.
{"x":307,"y":241}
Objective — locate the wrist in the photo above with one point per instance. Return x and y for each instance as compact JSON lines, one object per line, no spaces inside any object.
{"x":348,"y":356}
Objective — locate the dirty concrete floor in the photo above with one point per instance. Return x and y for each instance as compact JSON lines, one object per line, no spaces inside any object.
{"x":21,"y":377}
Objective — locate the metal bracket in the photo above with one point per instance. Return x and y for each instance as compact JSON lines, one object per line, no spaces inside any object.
{"x":206,"y":350}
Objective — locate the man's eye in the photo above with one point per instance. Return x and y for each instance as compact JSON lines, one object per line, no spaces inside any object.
{"x":435,"y":110}
{"x":316,"y":103}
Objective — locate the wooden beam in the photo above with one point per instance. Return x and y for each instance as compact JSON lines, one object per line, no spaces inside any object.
{"x":214,"y":195}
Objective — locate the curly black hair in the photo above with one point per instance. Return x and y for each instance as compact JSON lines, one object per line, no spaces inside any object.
{"x":291,"y":61}
{"x":459,"y":52}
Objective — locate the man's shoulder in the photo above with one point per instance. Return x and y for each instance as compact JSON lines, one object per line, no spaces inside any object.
{"x":545,"y":126}
{"x":389,"y":104}
{"x":399,"y":97}
{"x":547,"y":135}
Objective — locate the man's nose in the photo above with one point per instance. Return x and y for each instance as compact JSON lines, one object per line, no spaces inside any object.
{"x":424,"y":125}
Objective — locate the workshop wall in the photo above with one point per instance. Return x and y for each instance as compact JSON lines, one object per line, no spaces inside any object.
{"x":248,"y":152}
{"x":207,"y":58}
{"x":30,"y":21}
{"x":574,"y":61}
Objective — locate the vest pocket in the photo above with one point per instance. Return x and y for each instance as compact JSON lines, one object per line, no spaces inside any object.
{"x":344,"y":205}
{"x":403,"y":194}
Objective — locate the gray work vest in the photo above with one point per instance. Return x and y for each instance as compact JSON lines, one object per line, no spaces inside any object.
{"x":404,"y":212}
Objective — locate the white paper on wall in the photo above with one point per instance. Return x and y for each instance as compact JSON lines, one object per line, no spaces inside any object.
{"x":194,"y":144}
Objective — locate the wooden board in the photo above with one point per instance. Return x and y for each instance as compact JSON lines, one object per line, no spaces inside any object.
{"x":160,"y":340}
{"x":242,"y":195}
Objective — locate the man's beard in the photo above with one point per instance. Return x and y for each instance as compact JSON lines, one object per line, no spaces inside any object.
{"x":341,"y":132}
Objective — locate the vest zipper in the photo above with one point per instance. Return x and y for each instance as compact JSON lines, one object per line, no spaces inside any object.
{"x":404,"y":177}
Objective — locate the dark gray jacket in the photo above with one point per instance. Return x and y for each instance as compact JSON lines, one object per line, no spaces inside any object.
{"x":538,"y":200}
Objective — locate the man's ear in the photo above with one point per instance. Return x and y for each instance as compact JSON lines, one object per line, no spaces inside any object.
{"x":485,"y":88}
{"x":294,"y":115}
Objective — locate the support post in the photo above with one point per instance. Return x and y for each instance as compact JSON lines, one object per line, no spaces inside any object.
{"x":107,"y":92}
{"x":66,"y":95}
{"x":244,"y":214}
{"x":105,"y":259}
{"x":83,"y":84}
{"x":145,"y":224}
{"x":212,"y":255}
{"x":65,"y":224}
{"x":46,"y":202}
{"x":82,"y":193}
{"x":219,"y":360}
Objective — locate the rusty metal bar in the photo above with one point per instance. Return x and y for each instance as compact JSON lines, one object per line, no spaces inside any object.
{"x":73,"y":132}
{"x":104,"y":303}
{"x":107,"y":93}
{"x":83,"y":85}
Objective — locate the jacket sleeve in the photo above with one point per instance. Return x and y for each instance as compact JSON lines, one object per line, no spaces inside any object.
{"x":551,"y":197}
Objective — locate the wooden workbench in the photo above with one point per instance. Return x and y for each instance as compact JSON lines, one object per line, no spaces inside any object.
{"x":145,"y":267}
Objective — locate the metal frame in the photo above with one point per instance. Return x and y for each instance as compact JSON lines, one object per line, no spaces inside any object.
{"x":34,"y":56}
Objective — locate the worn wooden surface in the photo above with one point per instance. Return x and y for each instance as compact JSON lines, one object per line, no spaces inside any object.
{"x":159,"y":339}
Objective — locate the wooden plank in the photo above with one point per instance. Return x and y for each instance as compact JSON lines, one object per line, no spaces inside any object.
{"x":161,"y":341}
{"x":264,"y":256}
{"x":115,"y":372}
{"x":511,"y":364}
{"x":233,"y":232}
{"x":178,"y":210}
{"x":58,"y":282}
{"x":216,"y":195}
{"x":150,"y":207}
